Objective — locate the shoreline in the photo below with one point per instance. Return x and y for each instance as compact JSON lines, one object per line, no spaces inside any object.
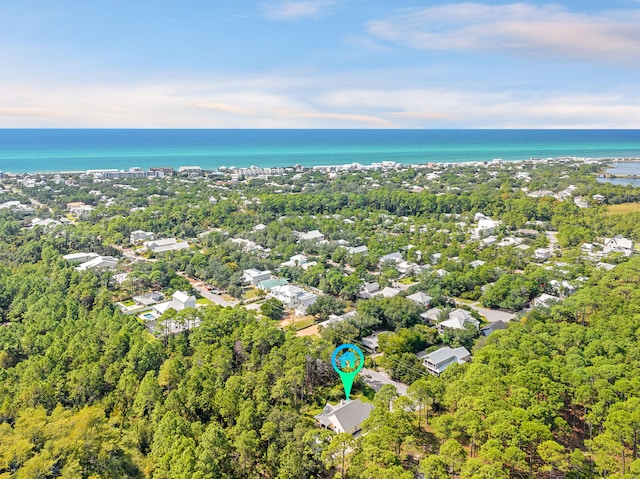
{"x":342,"y":166}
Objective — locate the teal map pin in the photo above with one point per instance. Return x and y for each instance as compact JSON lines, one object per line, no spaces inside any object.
{"x":347,"y":360}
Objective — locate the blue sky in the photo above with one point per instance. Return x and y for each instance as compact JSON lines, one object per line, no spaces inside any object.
{"x":320,"y":64}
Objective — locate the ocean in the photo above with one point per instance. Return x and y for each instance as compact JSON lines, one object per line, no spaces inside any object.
{"x":49,"y":150}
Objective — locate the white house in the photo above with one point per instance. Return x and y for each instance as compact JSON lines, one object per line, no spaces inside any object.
{"x":618,"y":244}
{"x":47,"y":223}
{"x":542,"y":254}
{"x":347,"y":416}
{"x":304,"y":301}
{"x":545,"y":300}
{"x":485,"y":227}
{"x":79,"y":209}
{"x":388,"y":292}
{"x":81,"y":257}
{"x":458,"y":319}
{"x":296,"y":260}
{"x":139,"y":236}
{"x":477,"y":263}
{"x":99,"y":263}
{"x":421,"y":298}
{"x":313,"y":235}
{"x":395,"y":257}
{"x":288,"y":294}
{"x":254,"y":276}
{"x":179,"y":301}
{"x":166,"y":244}
{"x":437,"y":361}
{"x":357,"y":250}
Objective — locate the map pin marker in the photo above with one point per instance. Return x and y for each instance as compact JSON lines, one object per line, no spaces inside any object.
{"x":347,"y":360}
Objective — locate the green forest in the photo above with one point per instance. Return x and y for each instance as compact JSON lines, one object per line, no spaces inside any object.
{"x":87,"y":392}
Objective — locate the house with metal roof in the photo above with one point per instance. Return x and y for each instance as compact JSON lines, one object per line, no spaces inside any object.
{"x":437,"y":361}
{"x":347,"y":416}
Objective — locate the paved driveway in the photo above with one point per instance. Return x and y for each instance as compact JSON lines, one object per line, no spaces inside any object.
{"x":377,"y":379}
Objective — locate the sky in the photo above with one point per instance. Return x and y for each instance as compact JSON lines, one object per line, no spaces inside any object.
{"x":319,"y":64}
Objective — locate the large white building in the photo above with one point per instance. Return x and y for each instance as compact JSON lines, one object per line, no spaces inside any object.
{"x":164,"y":245}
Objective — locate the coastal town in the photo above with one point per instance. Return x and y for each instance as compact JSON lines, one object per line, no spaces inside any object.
{"x":466,"y":269}
{"x":424,"y":267}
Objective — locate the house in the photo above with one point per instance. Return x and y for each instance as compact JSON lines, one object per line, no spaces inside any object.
{"x":166,"y":244}
{"x":542,"y":254}
{"x":392,"y":257}
{"x":405,"y":267}
{"x":269,"y":284}
{"x":288,"y":294}
{"x":99,"y":263}
{"x":337,"y":319}
{"x":255,"y":277}
{"x":347,"y":416}
{"x":357,"y":250}
{"x":313,"y":235}
{"x":509,"y":241}
{"x":607,"y":266}
{"x":485,"y":227}
{"x":138,"y":236}
{"x":388,"y":292}
{"x":490,"y":241}
{"x":458,"y":319}
{"x":438,"y":361}
{"x":545,"y":300}
{"x":476,"y":263}
{"x":296,"y":260}
{"x":81,"y":257}
{"x":304,"y":301}
{"x":562,"y":288}
{"x":179,"y":301}
{"x":190,"y":170}
{"x":149,"y":299}
{"x":441,"y":273}
{"x":370,"y":343}
{"x":421,"y":298}
{"x":599,"y":198}
{"x":369,"y":290}
{"x":47,"y":224}
{"x":431,"y":315}
{"x":492,"y":327}
{"x":79,"y":209}
{"x":618,"y":244}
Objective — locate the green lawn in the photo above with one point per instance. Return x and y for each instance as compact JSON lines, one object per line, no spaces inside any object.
{"x":623,"y":209}
{"x":204,"y":301}
{"x":128,"y":303}
{"x":302,"y":323}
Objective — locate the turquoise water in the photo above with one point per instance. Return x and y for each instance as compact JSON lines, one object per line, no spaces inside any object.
{"x":623,"y":168}
{"x":35,"y":150}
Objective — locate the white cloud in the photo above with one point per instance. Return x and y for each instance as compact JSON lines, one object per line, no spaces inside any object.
{"x":314,"y":102}
{"x":519,"y":27}
{"x":295,"y":10}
